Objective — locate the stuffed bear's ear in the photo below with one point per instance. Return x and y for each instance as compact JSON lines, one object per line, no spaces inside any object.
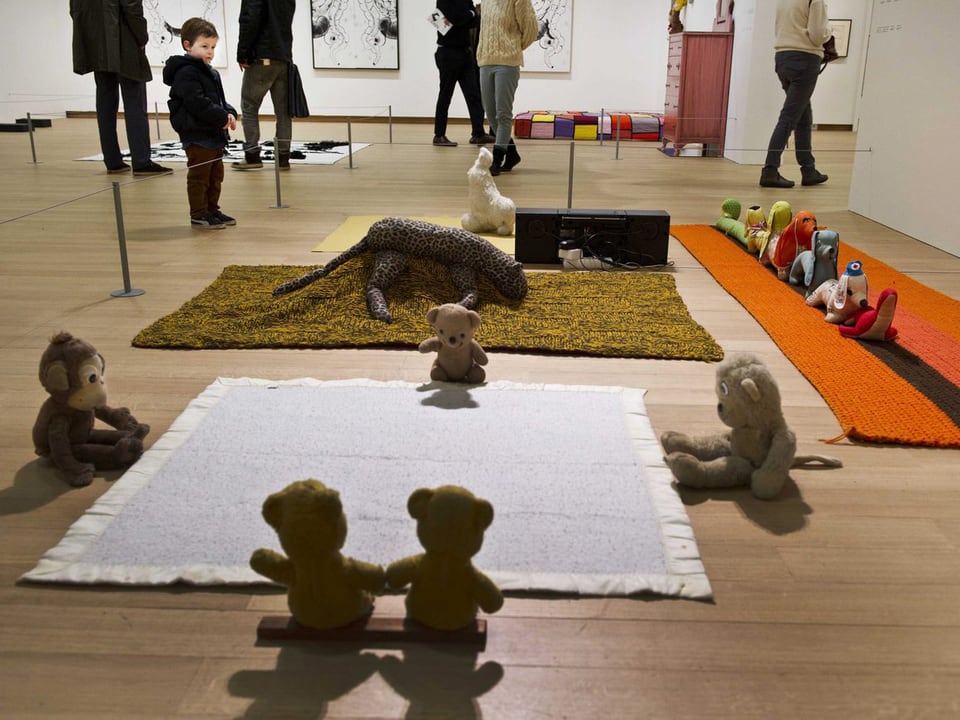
{"x":751,"y":389}
{"x":484,"y":513}
{"x":474,"y":319}
{"x":329,"y":501}
{"x":418,"y":501}
{"x":56,"y":379}
{"x":271,"y":510}
{"x":432,"y":314}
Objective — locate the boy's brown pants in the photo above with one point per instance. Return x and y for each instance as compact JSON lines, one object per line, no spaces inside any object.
{"x":204,"y":178}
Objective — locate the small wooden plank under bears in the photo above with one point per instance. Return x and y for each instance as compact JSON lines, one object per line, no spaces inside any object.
{"x":372,"y":631}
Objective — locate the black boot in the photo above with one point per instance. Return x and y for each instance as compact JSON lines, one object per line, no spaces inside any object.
{"x":283,"y":160}
{"x":771,"y":177}
{"x":512,"y":157}
{"x":811,"y":176}
{"x":498,"y":156}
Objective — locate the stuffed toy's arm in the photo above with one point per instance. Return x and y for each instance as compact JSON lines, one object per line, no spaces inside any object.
{"x":479,"y":356}
{"x":402,"y":572}
{"x":429,"y":345}
{"x":702,"y":447}
{"x":364,"y":575}
{"x":489,"y":597}
{"x":767,"y":480}
{"x":273,"y":565}
{"x":122,"y":419}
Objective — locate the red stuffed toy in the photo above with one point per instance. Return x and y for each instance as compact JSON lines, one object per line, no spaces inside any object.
{"x":873,"y":323}
{"x":795,"y":238}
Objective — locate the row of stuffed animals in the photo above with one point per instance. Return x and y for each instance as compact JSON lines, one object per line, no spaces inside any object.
{"x":805,"y":255}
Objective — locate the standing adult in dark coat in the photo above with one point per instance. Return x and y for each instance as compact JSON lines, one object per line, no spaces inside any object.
{"x":264,"y":53}
{"x":109,"y":37}
{"x":457,"y":62}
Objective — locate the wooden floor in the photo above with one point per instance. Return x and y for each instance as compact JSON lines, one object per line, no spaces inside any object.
{"x":841,"y":599}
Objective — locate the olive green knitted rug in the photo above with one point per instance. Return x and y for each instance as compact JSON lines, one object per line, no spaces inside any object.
{"x":613,"y":314}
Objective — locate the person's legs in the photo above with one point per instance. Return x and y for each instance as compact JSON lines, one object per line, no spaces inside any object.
{"x":107,"y":104}
{"x":199,"y":170}
{"x":507,"y":79}
{"x":280,"y":95}
{"x":253,"y":88}
{"x":136,"y":122}
{"x":215,"y":182}
{"x":448,"y":67}
{"x":470,"y":87}
{"x":488,"y":95}
{"x":798,"y":73}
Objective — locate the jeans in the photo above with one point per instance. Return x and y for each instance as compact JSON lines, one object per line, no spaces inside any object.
{"x":457,"y":65}
{"x":798,"y":73}
{"x":257,"y":80}
{"x":498,"y":85}
{"x":204,"y":179}
{"x":110,"y":86}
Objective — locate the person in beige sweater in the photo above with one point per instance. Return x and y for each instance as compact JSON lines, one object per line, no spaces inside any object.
{"x":801,"y":29}
{"x":507,"y":28}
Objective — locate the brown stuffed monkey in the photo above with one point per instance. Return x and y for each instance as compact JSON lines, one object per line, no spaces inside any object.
{"x":71,"y":370}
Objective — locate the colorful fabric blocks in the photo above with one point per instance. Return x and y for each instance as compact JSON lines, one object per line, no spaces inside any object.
{"x":578,"y":125}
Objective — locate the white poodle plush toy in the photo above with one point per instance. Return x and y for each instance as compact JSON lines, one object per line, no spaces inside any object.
{"x":489,"y":210}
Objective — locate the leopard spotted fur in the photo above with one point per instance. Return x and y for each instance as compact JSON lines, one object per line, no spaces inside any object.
{"x":394,"y":240}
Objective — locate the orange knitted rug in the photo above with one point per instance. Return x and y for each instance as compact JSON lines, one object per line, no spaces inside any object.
{"x":906,"y":391}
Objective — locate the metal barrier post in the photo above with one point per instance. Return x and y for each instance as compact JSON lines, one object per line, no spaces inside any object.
{"x":570,"y":179}
{"x":350,"y":143}
{"x":390,"y":122}
{"x":276,"y":174}
{"x":127,"y":291}
{"x":33,"y":147}
{"x":156,"y":115}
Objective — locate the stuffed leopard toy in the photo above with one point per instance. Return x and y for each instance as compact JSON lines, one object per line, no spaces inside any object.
{"x":394,"y":240}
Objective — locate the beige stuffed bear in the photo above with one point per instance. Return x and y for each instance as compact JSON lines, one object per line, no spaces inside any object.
{"x":758,"y":450}
{"x":459,"y":356}
{"x":325,"y":589}
{"x":445,"y":588}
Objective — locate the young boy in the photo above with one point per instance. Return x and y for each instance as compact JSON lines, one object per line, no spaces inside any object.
{"x":202,"y":117}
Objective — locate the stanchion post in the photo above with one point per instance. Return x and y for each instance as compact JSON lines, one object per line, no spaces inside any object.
{"x":570,"y":179}
{"x":390,"y":123}
{"x":616,"y":155}
{"x":127,"y":291}
{"x":276,"y":174}
{"x":33,"y":147}
{"x":350,"y":143}
{"x":156,"y":115}
{"x":600,"y":126}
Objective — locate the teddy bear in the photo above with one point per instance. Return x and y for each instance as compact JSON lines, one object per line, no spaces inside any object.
{"x":489,"y":210}
{"x":446,"y":590}
{"x":72,"y":372}
{"x":757,"y":450}
{"x":325,"y":589}
{"x":459,"y":356}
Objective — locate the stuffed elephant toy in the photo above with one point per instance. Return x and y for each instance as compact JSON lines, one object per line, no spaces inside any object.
{"x":812,"y":268}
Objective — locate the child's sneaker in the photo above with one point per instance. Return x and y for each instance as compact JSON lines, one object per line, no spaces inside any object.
{"x":207,"y":222}
{"x":225,"y":219}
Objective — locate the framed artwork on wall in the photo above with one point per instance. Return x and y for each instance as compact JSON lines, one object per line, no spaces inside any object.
{"x":164,"y":18}
{"x":355,"y":34}
{"x":841,"y":34}
{"x":551,"y":51}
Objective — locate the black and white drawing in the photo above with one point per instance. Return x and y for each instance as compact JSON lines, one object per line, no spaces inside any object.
{"x":355,"y":34}
{"x":164,"y":18}
{"x":551,"y":51}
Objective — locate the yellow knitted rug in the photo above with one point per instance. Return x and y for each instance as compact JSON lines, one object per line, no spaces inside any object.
{"x":612,"y":314}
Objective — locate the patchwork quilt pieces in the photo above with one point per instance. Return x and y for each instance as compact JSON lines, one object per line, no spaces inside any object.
{"x":576,"y":125}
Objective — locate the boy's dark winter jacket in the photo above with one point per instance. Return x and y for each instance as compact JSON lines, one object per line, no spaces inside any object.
{"x":198,"y":108}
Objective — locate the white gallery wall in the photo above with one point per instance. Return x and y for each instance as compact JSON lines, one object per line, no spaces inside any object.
{"x":618,"y":61}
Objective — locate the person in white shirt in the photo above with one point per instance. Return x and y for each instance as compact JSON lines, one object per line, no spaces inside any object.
{"x":801,"y":30}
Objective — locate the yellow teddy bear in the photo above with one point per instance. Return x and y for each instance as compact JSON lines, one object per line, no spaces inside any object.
{"x":445,"y":588}
{"x":325,"y":589}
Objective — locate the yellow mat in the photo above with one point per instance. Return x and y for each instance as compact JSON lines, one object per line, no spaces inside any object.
{"x":352,"y":230}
